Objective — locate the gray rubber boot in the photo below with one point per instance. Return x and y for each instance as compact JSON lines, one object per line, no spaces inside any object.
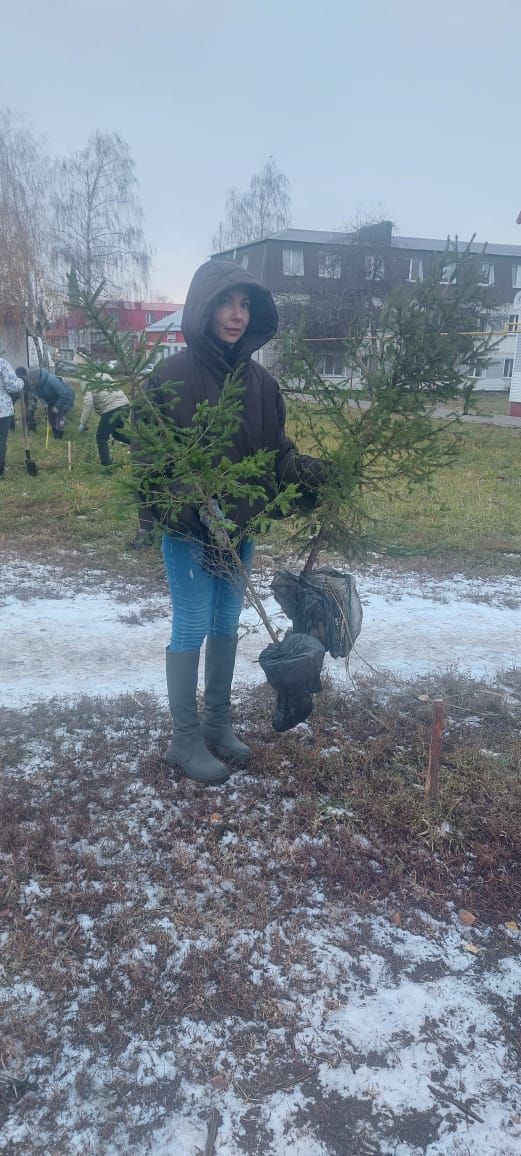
{"x":215,"y":724}
{"x":188,"y":749}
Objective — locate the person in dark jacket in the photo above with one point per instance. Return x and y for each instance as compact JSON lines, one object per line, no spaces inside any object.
{"x":56,"y":394}
{"x":227,"y":317}
{"x":31,"y":406}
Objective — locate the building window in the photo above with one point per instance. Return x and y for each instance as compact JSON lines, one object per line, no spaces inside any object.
{"x":479,"y":371}
{"x":415,"y":269}
{"x":329,"y":265}
{"x":293,"y":262}
{"x":374,"y":268}
{"x":516,"y":276}
{"x":332,"y":365}
{"x":448,"y":274}
{"x":513,"y":322}
{"x":508,"y":367}
{"x":487,"y":274}
{"x":149,"y":317}
{"x":244,"y":260}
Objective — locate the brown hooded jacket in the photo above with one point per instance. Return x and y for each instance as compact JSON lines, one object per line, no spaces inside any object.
{"x":199,"y":373}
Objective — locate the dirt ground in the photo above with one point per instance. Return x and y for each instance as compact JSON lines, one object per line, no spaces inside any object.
{"x":310,"y":959}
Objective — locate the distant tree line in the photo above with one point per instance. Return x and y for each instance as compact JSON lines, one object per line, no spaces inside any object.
{"x":73,"y":220}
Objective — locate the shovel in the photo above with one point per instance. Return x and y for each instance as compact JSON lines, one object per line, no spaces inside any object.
{"x":30,"y":466}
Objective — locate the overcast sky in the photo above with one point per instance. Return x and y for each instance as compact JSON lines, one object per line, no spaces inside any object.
{"x":407,"y":106}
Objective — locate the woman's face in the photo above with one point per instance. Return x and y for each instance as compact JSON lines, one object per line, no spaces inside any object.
{"x":231,"y":316}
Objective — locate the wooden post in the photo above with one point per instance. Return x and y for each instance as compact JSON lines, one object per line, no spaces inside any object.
{"x":431,"y":780}
{"x":69,"y":455}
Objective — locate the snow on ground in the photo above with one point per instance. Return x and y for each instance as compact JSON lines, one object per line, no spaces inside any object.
{"x":61,"y":641}
{"x":176,"y":958}
{"x":183,"y":923}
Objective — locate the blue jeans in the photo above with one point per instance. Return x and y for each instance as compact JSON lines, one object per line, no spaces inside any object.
{"x":203,"y":602}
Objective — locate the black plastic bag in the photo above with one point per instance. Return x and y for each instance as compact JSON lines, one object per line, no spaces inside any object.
{"x":292,"y":667}
{"x":324,"y":603}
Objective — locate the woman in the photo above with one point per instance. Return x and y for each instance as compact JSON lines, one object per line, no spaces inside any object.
{"x":227,"y":317}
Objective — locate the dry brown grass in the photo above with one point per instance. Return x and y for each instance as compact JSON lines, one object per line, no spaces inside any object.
{"x":136,"y":902}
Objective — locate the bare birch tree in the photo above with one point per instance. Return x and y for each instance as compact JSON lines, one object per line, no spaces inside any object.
{"x":26,"y":296}
{"x":264,"y":208}
{"x":98,"y":233}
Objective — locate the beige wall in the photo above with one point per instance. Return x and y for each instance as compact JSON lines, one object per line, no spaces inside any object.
{"x":13,"y":344}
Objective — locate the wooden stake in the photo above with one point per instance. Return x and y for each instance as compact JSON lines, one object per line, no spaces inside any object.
{"x":431,"y":780}
{"x":213,"y":1127}
{"x":69,"y":455}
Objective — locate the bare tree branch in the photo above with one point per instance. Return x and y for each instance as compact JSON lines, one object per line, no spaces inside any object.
{"x":97,"y":228}
{"x":264,"y":208}
{"x":26,"y":294}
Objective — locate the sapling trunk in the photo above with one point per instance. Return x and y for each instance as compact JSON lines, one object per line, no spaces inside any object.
{"x":255,"y":599}
{"x":318,"y":541}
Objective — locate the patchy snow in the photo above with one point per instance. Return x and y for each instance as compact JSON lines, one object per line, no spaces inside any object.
{"x":91,"y":642}
{"x":376,"y":1042}
{"x":349,"y":1030}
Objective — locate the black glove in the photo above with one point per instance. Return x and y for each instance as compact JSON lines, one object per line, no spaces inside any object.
{"x":308,"y":501}
{"x":313,"y":473}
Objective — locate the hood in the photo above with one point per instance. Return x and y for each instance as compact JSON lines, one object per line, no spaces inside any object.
{"x":211,"y":279}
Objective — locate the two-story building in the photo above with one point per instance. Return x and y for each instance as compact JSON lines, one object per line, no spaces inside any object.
{"x":304,"y":267}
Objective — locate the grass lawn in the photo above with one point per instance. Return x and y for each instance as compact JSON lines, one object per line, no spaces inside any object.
{"x":472,"y":507}
{"x":85,"y":506}
{"x":470,"y":512}
{"x":491,"y":402}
